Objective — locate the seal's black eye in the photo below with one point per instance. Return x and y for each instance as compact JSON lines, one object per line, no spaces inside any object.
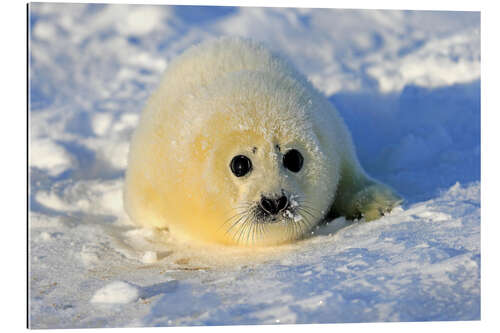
{"x":293,"y":160}
{"x":240,"y":165}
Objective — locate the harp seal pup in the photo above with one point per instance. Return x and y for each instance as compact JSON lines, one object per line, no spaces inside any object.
{"x":237,"y":147}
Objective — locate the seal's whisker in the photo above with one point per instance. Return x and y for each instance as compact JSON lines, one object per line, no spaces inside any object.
{"x":262,"y":228}
{"x":307,"y":228}
{"x":236,"y":216}
{"x":308,"y":207}
{"x":305,"y":210}
{"x":243,"y":206}
{"x":308,"y":204}
{"x":242,"y":228}
{"x":255,"y":232}
{"x":298,"y":226}
{"x":301,"y":201}
{"x":231,"y":218}
{"x":309,"y":225}
{"x":308,"y":214}
{"x":312,"y":210}
{"x":298,"y":229}
{"x":246,"y":228}
{"x":290,"y":229}
{"x":249,"y":230}
{"x":235,"y":231}
{"x":252,"y":232}
{"x":306,"y":223}
{"x":237,"y":222}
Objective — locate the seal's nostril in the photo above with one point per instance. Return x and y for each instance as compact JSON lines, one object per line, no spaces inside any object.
{"x":268,"y":205}
{"x":274,"y":206}
{"x":282,"y":203}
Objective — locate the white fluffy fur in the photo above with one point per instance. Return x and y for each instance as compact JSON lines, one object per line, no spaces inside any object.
{"x":220,"y":99}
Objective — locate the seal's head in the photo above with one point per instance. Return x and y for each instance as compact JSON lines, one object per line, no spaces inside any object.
{"x":258,"y":163}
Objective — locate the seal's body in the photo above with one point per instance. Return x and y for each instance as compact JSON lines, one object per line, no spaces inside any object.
{"x":235,"y":146}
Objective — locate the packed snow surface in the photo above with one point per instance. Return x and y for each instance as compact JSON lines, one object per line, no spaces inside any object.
{"x":408,"y":86}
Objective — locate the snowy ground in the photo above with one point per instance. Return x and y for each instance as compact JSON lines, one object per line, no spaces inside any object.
{"x":408,"y":86}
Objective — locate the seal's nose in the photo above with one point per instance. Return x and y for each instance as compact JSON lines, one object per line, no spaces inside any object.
{"x":274,"y":206}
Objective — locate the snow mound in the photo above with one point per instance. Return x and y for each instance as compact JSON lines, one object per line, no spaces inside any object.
{"x":116,"y":292}
{"x":50,"y":157}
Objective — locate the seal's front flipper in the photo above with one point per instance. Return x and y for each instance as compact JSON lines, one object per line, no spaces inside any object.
{"x":365,"y":198}
{"x":374,"y":201}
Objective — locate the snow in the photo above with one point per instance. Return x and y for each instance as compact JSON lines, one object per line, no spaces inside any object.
{"x":116,"y":292}
{"x":407,"y":84}
{"x":149,"y":257}
{"x":50,"y":156}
